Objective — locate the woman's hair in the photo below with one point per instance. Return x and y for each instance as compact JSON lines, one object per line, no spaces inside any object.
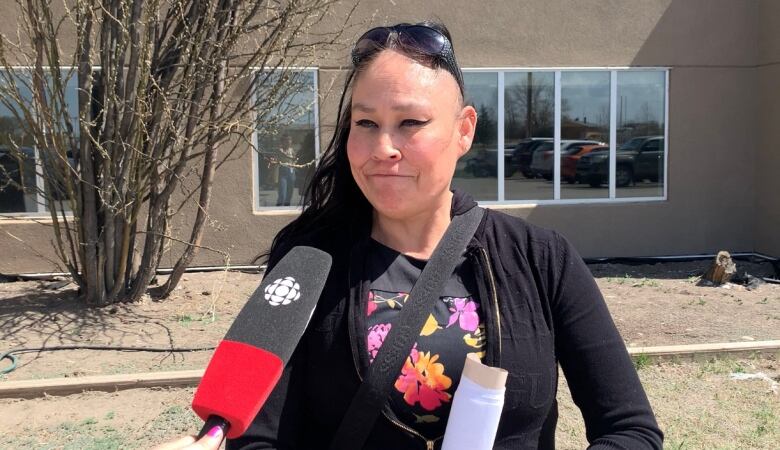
{"x":332,"y":200}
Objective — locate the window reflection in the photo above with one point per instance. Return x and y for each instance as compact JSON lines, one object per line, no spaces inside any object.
{"x":54,"y":163}
{"x":477,"y":171}
{"x":17,"y":168}
{"x":17,"y":180}
{"x":584,"y":136}
{"x":528,"y":123}
{"x":640,"y":133}
{"x":286,"y":151}
{"x":33,"y":169}
{"x":529,"y":120}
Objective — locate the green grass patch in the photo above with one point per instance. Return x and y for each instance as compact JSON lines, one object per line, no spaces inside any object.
{"x":84,"y":435}
{"x":641,"y":361}
{"x":189,"y":319}
{"x":721,"y":366}
{"x":766,"y":422}
{"x":174,"y":421}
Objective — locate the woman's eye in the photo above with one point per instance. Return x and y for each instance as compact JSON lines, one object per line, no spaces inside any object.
{"x":413,"y":122}
{"x":365,"y":123}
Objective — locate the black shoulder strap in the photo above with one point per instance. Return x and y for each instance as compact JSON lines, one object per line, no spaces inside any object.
{"x":383,"y":371}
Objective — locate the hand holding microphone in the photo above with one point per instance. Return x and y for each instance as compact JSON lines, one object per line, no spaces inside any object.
{"x":211,"y":441}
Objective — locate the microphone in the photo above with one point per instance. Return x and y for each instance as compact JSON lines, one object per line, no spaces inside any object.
{"x":476,"y":407}
{"x":248,"y":362}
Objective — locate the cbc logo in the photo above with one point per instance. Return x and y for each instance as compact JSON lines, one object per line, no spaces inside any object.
{"x":283,"y":291}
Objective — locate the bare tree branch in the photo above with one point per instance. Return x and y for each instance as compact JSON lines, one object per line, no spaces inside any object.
{"x":153,"y":93}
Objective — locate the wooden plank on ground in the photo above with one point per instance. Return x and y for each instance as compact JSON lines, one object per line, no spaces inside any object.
{"x":189,"y":378}
{"x":694,"y":351}
{"x":106,"y":383}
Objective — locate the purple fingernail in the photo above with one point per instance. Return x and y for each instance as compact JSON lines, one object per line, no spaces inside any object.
{"x":215,"y":432}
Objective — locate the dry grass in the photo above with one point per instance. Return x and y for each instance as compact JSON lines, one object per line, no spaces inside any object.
{"x":698,"y":406}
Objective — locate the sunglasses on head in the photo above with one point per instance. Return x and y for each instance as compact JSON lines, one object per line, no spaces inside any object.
{"x":420,"y":39}
{"x":417,"y":38}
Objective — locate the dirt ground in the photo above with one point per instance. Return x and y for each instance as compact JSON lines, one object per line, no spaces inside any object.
{"x":665,"y":304}
{"x":698,"y":405}
{"x":660,"y":304}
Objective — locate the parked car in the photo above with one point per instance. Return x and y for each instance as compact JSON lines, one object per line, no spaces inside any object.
{"x":638,"y":159}
{"x":542,"y":163}
{"x":522,"y":156}
{"x":569,"y":162}
{"x":484,"y":162}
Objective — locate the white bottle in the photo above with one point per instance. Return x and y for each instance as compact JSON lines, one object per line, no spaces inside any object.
{"x":476,"y":407}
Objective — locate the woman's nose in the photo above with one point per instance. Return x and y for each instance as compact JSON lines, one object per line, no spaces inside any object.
{"x":386,"y":148}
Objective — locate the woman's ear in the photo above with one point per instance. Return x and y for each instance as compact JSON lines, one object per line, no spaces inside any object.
{"x":466,"y":128}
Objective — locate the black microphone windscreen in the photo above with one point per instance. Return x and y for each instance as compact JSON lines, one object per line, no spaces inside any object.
{"x":248,"y":362}
{"x":277,"y":314}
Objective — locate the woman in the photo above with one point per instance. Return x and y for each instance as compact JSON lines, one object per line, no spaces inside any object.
{"x":521,"y":297}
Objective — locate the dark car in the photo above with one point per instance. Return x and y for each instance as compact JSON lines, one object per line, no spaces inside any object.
{"x":483,"y":162}
{"x":523,"y":155}
{"x":641,"y":158}
{"x":542,"y":164}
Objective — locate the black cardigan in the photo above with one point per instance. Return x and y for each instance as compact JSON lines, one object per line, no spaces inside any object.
{"x":543,"y":308}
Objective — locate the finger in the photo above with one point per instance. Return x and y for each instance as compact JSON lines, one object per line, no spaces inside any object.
{"x":177,"y":444}
{"x":210,"y":441}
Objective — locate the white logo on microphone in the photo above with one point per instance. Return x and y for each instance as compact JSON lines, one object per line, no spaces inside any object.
{"x":283,"y":291}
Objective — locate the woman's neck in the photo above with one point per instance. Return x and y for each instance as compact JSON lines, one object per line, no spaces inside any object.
{"x":416,"y":236}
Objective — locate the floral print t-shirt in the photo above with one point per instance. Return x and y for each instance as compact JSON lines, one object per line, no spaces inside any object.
{"x":423,"y":391}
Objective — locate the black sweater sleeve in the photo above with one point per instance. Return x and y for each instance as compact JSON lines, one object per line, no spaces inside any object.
{"x":601,"y":377}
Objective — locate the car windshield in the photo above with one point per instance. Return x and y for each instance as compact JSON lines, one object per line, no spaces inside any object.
{"x":529,"y":146}
{"x":546,"y":146}
{"x":632,"y":144}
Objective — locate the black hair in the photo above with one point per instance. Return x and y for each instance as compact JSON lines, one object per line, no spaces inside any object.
{"x":332,"y":200}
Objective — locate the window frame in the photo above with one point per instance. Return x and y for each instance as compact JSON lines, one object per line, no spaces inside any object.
{"x":257,"y":209}
{"x":557,"y":200}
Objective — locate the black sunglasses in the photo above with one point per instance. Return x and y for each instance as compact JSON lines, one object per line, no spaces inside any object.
{"x":420,"y":39}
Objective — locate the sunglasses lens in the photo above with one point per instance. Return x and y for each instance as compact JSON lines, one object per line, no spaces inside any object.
{"x":371,"y":41}
{"x":423,"y":39}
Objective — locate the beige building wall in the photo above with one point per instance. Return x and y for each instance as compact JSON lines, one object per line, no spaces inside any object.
{"x":720,"y":101}
{"x":767,"y":218}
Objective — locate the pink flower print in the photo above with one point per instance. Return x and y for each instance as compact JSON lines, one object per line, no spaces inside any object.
{"x":371,"y":303}
{"x":376,"y":337}
{"x":465,"y":312}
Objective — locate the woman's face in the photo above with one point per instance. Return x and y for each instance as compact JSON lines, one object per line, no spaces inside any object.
{"x":408,"y":130}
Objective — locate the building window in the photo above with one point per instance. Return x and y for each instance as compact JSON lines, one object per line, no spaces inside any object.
{"x":566,"y":136}
{"x":529,"y":125}
{"x":286,"y":138}
{"x":477,"y":172}
{"x":641,"y":121}
{"x":23,"y":189}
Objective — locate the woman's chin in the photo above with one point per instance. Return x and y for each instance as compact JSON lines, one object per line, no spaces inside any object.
{"x":390,"y":207}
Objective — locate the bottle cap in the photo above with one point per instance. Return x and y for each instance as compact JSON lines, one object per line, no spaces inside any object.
{"x":485,"y":376}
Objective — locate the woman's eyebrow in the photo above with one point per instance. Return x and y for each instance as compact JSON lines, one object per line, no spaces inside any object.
{"x":397,"y":107}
